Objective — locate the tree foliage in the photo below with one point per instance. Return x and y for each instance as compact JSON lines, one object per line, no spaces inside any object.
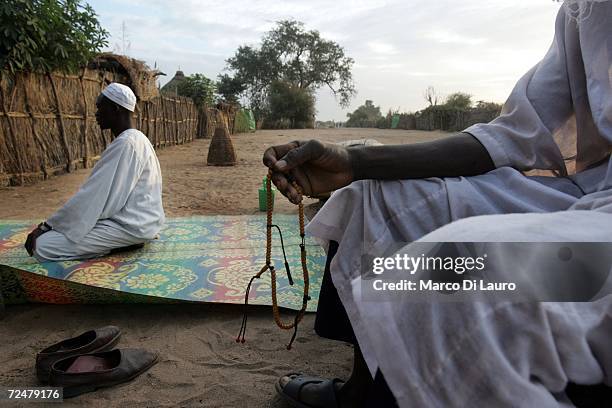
{"x":229,"y":88}
{"x":488,"y":106}
{"x":367,"y":115}
{"x":199,"y":88}
{"x":293,"y":55}
{"x":459,"y":100}
{"x":290,"y":104}
{"x":47,"y":35}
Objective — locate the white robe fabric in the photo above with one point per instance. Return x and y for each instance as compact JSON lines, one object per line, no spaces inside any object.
{"x":119,"y":205}
{"x":499,"y":354}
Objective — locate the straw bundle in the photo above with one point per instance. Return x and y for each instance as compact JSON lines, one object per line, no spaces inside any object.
{"x":221,"y":151}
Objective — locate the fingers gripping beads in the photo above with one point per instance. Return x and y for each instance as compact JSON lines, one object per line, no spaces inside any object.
{"x":269,"y":266}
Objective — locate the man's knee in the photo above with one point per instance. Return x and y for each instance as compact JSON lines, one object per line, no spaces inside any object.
{"x":49,"y":245}
{"x":351,"y":192}
{"x":54,"y":246}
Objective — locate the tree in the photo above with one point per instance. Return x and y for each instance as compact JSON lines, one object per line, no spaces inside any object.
{"x":459,"y":100}
{"x":253,"y":73}
{"x":367,"y":115}
{"x":431,"y":96}
{"x":229,"y":88}
{"x":288,"y":102}
{"x":199,"y":88}
{"x":47,"y":35}
{"x":290,"y":54}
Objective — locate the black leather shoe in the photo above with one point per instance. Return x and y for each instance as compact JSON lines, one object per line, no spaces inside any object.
{"x":91,"y":341}
{"x":88,"y":372}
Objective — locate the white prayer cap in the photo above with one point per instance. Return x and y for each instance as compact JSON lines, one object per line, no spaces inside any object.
{"x":120,"y":94}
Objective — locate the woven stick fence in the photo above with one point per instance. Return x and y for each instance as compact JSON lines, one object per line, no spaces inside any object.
{"x":211,"y":118}
{"x":48,"y":126}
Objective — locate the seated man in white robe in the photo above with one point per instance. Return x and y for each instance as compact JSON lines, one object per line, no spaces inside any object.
{"x":120,"y":204}
{"x":470,"y":187}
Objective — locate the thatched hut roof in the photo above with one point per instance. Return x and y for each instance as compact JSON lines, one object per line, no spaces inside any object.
{"x":171,"y":88}
{"x":141,"y":78}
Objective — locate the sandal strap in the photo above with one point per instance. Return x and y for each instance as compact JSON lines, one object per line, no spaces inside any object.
{"x":325,"y":398}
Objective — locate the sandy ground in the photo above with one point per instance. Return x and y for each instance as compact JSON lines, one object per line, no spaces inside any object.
{"x":200,"y":364}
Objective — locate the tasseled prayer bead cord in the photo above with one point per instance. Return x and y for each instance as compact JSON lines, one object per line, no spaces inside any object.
{"x":275,"y":308}
{"x":269,"y":207}
{"x":270,"y":267}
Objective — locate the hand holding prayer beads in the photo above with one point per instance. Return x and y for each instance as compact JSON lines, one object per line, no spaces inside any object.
{"x":269,"y":266}
{"x":316,"y":166}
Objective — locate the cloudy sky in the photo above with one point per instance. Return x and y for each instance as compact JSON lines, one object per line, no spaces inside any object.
{"x":400,"y":47}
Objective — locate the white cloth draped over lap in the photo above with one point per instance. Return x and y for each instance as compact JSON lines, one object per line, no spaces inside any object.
{"x":120,"y":204}
{"x":504,"y":354}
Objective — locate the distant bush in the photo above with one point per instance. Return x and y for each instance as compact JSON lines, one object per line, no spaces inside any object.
{"x":328,"y":124}
{"x":458,"y":100}
{"x":290,"y":107}
{"x":383,"y":123}
{"x":456,"y":113}
{"x":367,"y":115}
{"x":199,"y":88}
{"x":488,"y":106}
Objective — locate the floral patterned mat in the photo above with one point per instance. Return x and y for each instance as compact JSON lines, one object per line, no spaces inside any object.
{"x":201,"y":259}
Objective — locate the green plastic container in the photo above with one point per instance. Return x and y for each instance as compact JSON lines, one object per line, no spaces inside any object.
{"x":263,"y":196}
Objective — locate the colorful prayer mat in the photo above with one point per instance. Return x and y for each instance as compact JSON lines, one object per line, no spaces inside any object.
{"x":196,"y":259}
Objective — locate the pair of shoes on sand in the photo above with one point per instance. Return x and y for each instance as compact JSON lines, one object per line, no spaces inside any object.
{"x":87,"y":362}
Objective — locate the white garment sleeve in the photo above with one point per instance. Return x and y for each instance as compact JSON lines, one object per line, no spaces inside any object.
{"x":539,"y":105}
{"x":104,"y":193}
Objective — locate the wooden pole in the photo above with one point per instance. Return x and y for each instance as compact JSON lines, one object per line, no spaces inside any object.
{"x":42,"y":151}
{"x":164,"y":122}
{"x":12,"y":132}
{"x":102,"y":76}
{"x":145,"y":109}
{"x":176,"y":121}
{"x":61,"y":123}
{"x":156,"y":124}
{"x":85,"y":119}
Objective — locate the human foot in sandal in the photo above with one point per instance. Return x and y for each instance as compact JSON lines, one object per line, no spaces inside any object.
{"x":303,"y":391}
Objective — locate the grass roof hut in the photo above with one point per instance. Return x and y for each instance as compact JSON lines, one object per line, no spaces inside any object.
{"x":171,"y":88}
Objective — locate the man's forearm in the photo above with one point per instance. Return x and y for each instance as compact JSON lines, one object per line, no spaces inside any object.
{"x":457,"y":155}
